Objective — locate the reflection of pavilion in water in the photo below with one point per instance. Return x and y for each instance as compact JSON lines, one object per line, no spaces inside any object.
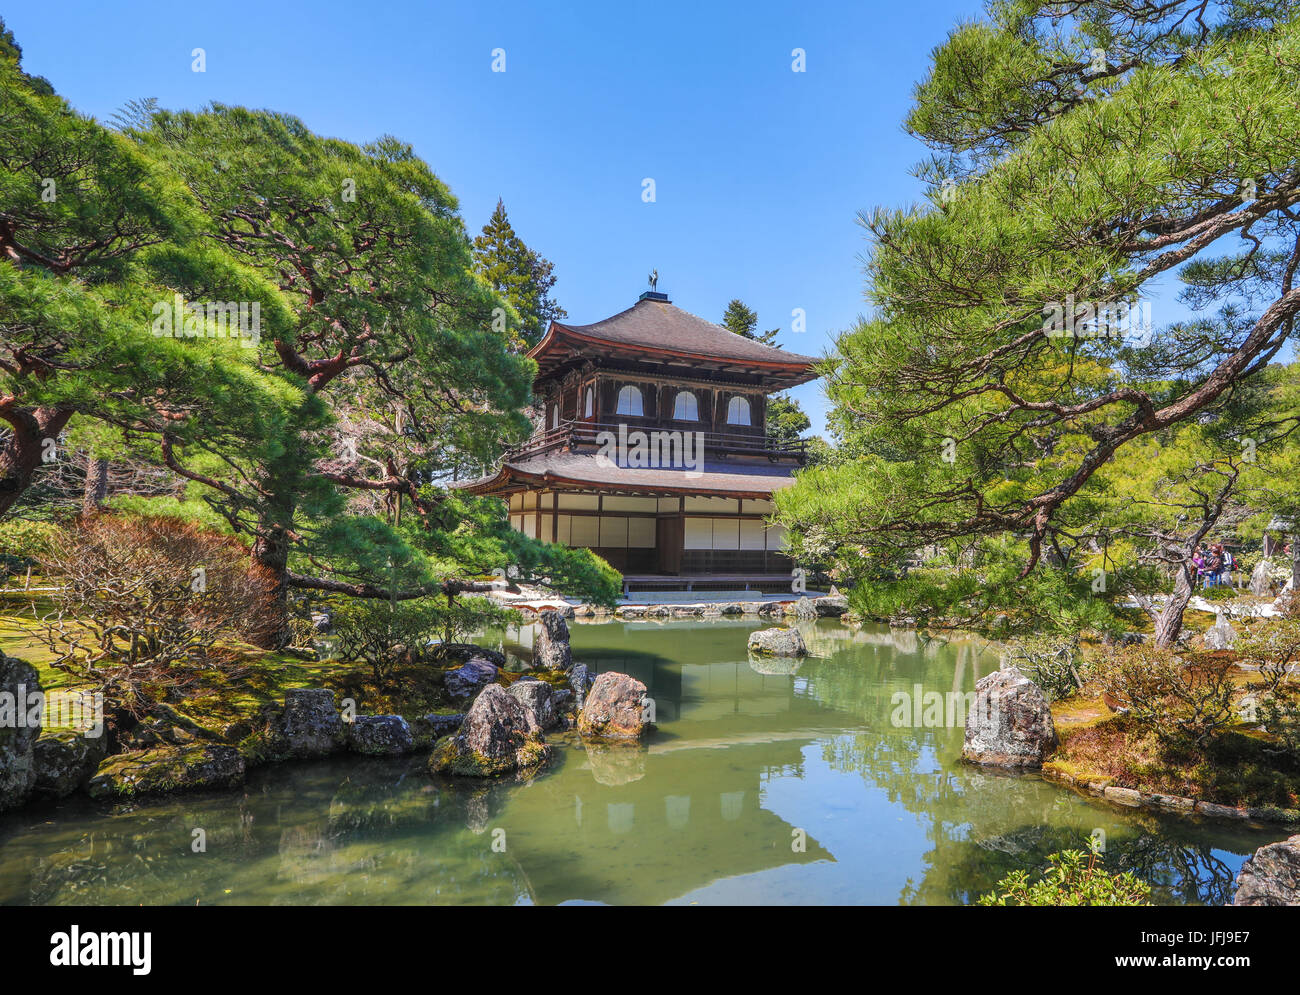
{"x":686,"y":809}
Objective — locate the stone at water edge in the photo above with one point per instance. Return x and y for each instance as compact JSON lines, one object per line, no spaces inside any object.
{"x":469,"y":677}
{"x":310,"y":726}
{"x":1271,"y":876}
{"x":66,"y":760}
{"x":832,"y":605}
{"x":18,"y":686}
{"x":615,"y":708}
{"x":805,"y":610}
{"x":428,"y":729}
{"x":499,"y":736}
{"x":552,"y":651}
{"x":1010,"y":722}
{"x":544,"y":701}
{"x":168,"y":769}
{"x":380,"y":736}
{"x":580,"y":680}
{"x":778,"y":642}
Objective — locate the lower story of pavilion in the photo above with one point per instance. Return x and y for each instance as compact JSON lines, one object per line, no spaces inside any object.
{"x":707,"y":526}
{"x":668,"y":535}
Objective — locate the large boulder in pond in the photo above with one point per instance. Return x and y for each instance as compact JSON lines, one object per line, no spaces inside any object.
{"x":552,"y":651}
{"x":615,"y":708}
{"x":310,"y":726}
{"x":469,"y":678}
{"x":66,"y":760}
{"x":777,"y":642}
{"x":1010,"y":723}
{"x":380,"y":736}
{"x":499,"y":736}
{"x":428,"y":729}
{"x":580,"y":680}
{"x":167,"y":769}
{"x":1271,"y":876}
{"x":547,"y":703}
{"x":19,"y":690}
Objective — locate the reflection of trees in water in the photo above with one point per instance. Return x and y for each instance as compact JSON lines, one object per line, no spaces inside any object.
{"x":355,"y":833}
{"x":1179,"y":871}
{"x":983,"y":823}
{"x":1188,"y":872}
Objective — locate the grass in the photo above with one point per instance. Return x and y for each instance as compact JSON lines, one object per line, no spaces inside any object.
{"x":239,"y":691}
{"x":1237,"y":768}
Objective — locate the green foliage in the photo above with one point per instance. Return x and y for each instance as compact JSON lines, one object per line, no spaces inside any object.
{"x":384,"y":635}
{"x":1047,"y":600}
{"x":1273,"y":648}
{"x":1071,"y":877}
{"x":742,"y":320}
{"x":961,"y":414}
{"x":1051,"y":662}
{"x":23,"y":542}
{"x":1186,"y":703}
{"x":786,"y":420}
{"x":521,"y":276}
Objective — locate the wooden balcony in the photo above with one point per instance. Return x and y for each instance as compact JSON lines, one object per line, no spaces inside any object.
{"x":578,"y":436}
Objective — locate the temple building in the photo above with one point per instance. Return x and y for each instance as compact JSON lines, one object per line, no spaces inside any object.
{"x":653,"y":449}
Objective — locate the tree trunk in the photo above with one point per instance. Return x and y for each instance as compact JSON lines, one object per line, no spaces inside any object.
{"x":271,"y":552}
{"x":1170,"y":623}
{"x":1295,"y":564}
{"x":27,"y":448}
{"x":96,"y":491}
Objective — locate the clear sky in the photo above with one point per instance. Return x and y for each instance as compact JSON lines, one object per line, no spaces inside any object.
{"x":759,"y":171}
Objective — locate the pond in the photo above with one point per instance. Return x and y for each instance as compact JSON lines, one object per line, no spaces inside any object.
{"x":765,"y":782}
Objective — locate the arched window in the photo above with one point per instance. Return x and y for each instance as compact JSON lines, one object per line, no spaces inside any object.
{"x":629,"y":401}
{"x":738,"y":411}
{"x":589,"y":406}
{"x":686,"y":408}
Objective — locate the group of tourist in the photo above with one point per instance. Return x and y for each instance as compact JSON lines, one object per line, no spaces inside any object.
{"x":1214,"y":565}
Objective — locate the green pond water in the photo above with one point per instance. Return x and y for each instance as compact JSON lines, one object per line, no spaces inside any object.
{"x":764,"y":783}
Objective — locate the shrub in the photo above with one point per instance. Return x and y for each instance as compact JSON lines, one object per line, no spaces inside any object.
{"x":139,"y":599}
{"x":1051,"y":662}
{"x":1275,"y":649}
{"x":1071,"y":878}
{"x":1181,"y":701}
{"x":382,"y":634}
{"x":22,"y":542}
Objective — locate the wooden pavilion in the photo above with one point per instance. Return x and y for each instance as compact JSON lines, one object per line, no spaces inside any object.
{"x":653,"y":448}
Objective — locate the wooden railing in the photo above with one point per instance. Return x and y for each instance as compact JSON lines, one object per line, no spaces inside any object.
{"x":576,"y":434}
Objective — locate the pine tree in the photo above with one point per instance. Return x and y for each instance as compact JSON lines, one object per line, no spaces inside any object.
{"x":740,"y":319}
{"x":519,"y":275}
{"x":786,"y":420}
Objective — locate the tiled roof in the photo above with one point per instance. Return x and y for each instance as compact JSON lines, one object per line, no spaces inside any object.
{"x":658,"y":325}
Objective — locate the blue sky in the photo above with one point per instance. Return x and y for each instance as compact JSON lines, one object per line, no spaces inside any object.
{"x":759,"y":171}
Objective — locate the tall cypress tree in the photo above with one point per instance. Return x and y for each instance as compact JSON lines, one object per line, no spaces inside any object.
{"x":519,"y":275}
{"x":739,"y":318}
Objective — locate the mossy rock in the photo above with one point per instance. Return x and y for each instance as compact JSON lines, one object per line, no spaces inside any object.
{"x":499,"y":736}
{"x":448,"y":757}
{"x":168,"y":769}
